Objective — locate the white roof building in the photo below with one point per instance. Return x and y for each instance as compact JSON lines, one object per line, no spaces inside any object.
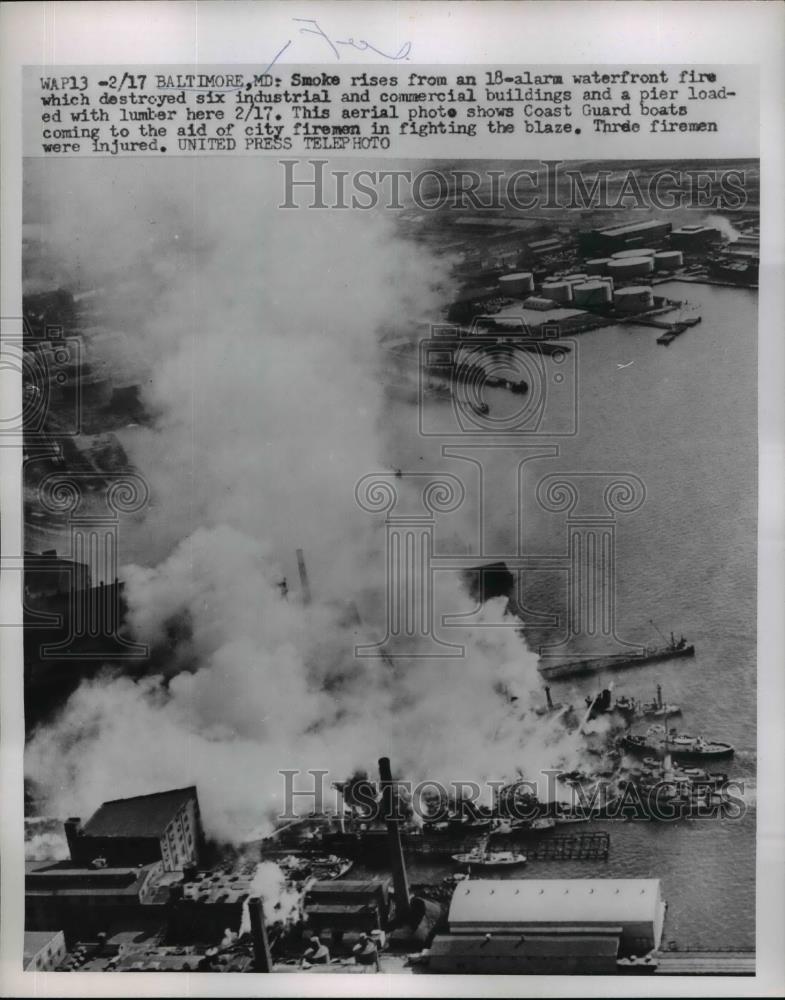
{"x":633,"y":909}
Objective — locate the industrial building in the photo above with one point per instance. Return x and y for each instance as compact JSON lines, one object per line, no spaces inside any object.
{"x":206,"y":903}
{"x":604,"y":242}
{"x":164,"y":826}
{"x":543,"y":247}
{"x":49,"y":575}
{"x":87,"y":901}
{"x":694,"y":238}
{"x":549,"y":926}
{"x":345,"y":905}
{"x":555,"y":321}
{"x":43,"y":950}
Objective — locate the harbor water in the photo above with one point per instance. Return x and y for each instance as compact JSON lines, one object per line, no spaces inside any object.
{"x":683,"y":419}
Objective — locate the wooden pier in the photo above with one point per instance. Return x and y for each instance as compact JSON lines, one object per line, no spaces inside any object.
{"x":582,"y":846}
{"x":705,"y":963}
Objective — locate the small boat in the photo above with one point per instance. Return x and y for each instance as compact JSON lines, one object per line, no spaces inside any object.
{"x":684,"y":747}
{"x":526,"y":826}
{"x":657,"y":709}
{"x":543,"y":823}
{"x":568,"y":818}
{"x":479,"y":858}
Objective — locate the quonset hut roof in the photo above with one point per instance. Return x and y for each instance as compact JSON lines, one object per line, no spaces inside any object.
{"x":485,"y":904}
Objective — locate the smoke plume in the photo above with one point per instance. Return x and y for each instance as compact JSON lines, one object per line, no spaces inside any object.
{"x":254,"y":333}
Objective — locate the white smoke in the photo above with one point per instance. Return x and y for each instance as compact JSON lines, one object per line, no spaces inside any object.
{"x":725,"y":226}
{"x":256,"y":331}
{"x":281,"y":902}
{"x":45,"y":840}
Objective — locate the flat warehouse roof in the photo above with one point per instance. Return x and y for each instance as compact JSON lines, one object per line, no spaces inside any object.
{"x":634,"y":227}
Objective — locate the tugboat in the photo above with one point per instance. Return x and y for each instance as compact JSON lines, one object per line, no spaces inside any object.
{"x":657,"y":709}
{"x":680,"y":746}
{"x":480,"y":857}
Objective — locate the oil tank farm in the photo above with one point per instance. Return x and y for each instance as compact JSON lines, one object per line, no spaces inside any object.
{"x":599,"y":265}
{"x":631,"y":267}
{"x":634,"y":298}
{"x":592,"y":294}
{"x":668,"y":260}
{"x":517,"y":285}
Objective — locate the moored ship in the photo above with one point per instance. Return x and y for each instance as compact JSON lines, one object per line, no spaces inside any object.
{"x":479,"y":858}
{"x":617,"y":661}
{"x":680,"y":746}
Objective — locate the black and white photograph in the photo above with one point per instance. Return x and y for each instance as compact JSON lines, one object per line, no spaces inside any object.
{"x":391,"y":572}
{"x":445,"y":504}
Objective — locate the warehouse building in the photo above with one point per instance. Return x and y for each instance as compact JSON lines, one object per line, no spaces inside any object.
{"x":534,"y":320}
{"x":83,"y":902}
{"x":348,"y":905}
{"x":549,"y":926}
{"x":164,"y":826}
{"x":694,"y":237}
{"x":43,"y":950}
{"x":601,"y":243}
{"x":50,"y":575}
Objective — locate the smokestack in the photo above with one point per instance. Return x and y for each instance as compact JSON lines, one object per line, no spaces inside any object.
{"x":72,"y":827}
{"x":303,"y":577}
{"x":548,"y":697}
{"x":400,"y":881}
{"x":659,"y":695}
{"x":262,"y":959}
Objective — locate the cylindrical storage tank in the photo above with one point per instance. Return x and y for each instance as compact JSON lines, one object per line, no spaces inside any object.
{"x":636,"y":298}
{"x":623,"y":254}
{"x":521,"y":283}
{"x":597,"y":266}
{"x":559,"y":291}
{"x":606,"y":279}
{"x":574,"y":279}
{"x":591,"y":293}
{"x":631,"y":267}
{"x":668,"y":260}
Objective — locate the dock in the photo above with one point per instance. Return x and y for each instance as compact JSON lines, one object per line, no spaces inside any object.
{"x":676,"y":330}
{"x":594,"y":846}
{"x":705,"y":963}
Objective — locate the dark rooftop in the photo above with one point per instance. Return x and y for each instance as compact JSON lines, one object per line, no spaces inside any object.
{"x":60,"y":877}
{"x":140,"y":816}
